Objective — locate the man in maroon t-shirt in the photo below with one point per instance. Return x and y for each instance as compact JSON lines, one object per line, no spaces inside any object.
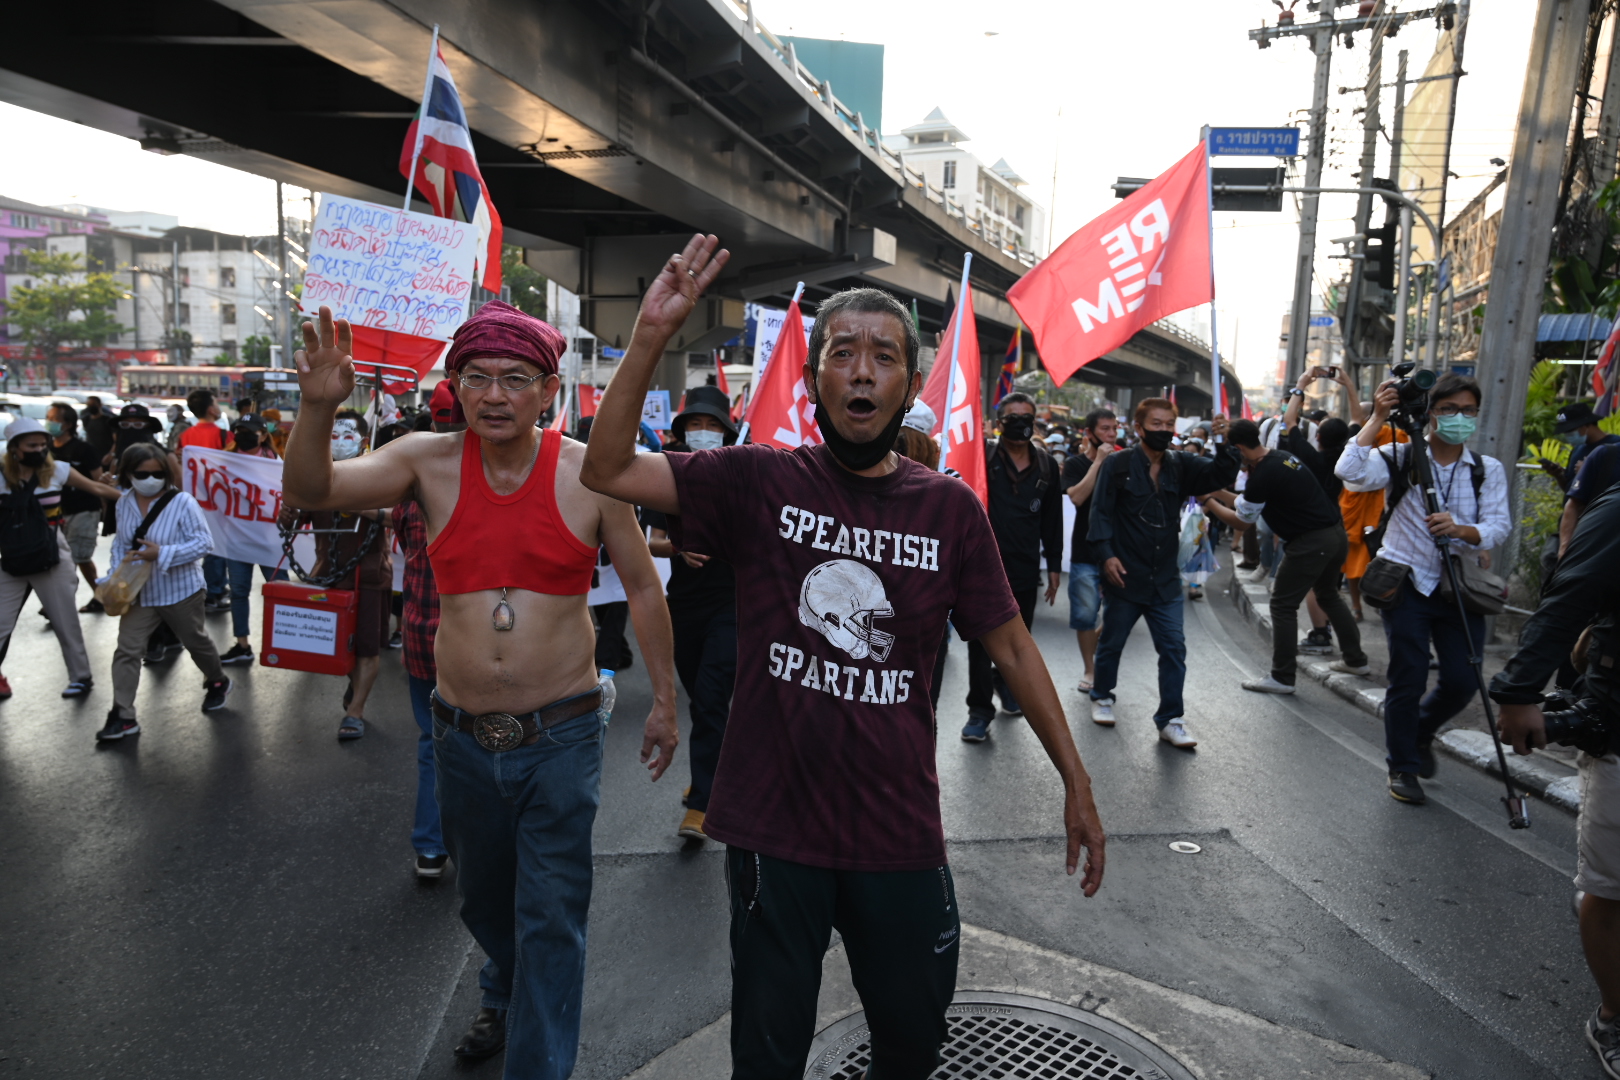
{"x":848,"y":560}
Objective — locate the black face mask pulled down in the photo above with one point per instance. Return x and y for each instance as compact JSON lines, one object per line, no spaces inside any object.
{"x":858,"y":456}
{"x":1018,"y":427}
{"x":1157,"y":441}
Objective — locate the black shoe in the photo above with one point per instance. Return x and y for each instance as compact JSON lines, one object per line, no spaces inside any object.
{"x":79,"y":688}
{"x":238,"y":654}
{"x":396,"y":640}
{"x":92,"y":608}
{"x":156,"y":653}
{"x":430,"y":866}
{"x":214,"y":694}
{"x":117,"y":727}
{"x":1426,"y":765}
{"x":486,"y":1035}
{"x":1317,"y":642}
{"x":214,"y":605}
{"x":1404,"y":787}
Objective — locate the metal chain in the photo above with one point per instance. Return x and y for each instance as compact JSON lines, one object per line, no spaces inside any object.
{"x":326,"y":581}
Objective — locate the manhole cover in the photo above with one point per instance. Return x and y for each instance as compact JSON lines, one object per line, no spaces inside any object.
{"x":1009,"y":1037}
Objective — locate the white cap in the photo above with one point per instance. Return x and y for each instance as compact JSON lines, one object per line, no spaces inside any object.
{"x":921,"y":417}
{"x":23,"y":425}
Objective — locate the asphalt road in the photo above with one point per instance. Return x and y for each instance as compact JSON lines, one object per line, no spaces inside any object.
{"x":230,"y":895}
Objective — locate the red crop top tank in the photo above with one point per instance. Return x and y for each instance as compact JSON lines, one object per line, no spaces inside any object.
{"x":516,"y":541}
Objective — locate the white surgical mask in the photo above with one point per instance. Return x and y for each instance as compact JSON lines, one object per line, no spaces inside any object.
{"x":705,"y":440}
{"x":149,"y":485}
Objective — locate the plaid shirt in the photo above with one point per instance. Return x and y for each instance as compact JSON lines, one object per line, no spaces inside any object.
{"x":421,"y":620}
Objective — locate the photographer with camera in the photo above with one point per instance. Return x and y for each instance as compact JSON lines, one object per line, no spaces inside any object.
{"x":1584,"y":588}
{"x":1405,"y":578}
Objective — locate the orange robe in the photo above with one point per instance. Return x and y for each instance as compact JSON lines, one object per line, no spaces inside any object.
{"x":1361,"y":511}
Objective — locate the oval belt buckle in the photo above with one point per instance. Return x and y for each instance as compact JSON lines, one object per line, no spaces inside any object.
{"x":498,"y":732}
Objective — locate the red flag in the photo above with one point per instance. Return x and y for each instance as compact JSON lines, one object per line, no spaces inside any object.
{"x":1606,"y":374}
{"x":780,"y":413}
{"x":1146,"y":258}
{"x":720,"y":375}
{"x":1248,"y":413}
{"x":402,"y":350}
{"x":587,"y":401}
{"x":963,"y":422}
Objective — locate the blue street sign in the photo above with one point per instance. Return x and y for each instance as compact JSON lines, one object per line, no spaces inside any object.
{"x":1254,"y":142}
{"x":1322,"y":320}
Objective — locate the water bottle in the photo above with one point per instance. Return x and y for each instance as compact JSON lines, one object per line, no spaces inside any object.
{"x":609,"y":694}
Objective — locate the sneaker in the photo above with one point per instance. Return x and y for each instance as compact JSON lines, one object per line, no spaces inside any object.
{"x":93,"y":608}
{"x":5,"y":688}
{"x":430,"y":866}
{"x":238,"y":654}
{"x":1404,"y":787}
{"x":79,"y":688}
{"x":215,"y":693}
{"x":1426,"y":761}
{"x":1010,"y":706}
{"x":117,"y":727}
{"x":1317,"y":642}
{"x":1176,"y":734}
{"x":1350,"y":669}
{"x":1604,"y":1037}
{"x":1102,"y":712}
{"x":1268,"y":685}
{"x":692,"y":826}
{"x":977,"y":729}
{"x":396,"y":640}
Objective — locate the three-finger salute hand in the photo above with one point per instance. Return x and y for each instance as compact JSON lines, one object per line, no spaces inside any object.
{"x":325,"y":365}
{"x":675,"y":291}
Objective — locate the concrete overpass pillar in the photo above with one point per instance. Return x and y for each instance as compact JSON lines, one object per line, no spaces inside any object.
{"x":671,"y":376}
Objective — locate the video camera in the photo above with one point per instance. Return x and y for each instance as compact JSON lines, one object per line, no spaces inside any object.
{"x":1581,"y":722}
{"x":1413,"y":386}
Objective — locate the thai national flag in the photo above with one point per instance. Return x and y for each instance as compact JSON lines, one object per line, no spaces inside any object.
{"x":447,"y":169}
{"x":1009,"y":368}
{"x":1606,"y":376}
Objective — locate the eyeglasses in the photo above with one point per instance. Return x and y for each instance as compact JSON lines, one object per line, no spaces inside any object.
{"x":132,"y":425}
{"x":477,"y":380}
{"x":1454,"y":410}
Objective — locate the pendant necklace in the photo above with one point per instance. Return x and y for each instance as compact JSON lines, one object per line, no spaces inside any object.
{"x":503,"y":617}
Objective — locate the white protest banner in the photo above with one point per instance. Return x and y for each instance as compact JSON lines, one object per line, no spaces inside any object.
{"x":389,"y":269}
{"x":240,"y":496}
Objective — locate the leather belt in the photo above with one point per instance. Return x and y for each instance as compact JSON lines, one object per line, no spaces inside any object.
{"x":499,"y":732}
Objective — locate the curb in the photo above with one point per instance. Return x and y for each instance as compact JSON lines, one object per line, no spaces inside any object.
{"x":1553,"y":782}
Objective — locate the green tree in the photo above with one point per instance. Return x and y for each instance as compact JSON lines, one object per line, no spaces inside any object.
{"x":528,"y":285}
{"x":256,"y":351}
{"x":66,"y":307}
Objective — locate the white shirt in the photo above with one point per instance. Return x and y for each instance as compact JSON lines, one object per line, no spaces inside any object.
{"x":1407,"y":541}
{"x":183,"y":538}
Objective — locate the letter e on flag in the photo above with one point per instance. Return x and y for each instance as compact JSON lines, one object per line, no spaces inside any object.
{"x":1146,"y":258}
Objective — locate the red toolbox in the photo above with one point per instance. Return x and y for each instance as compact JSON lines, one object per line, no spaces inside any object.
{"x":307,"y":628}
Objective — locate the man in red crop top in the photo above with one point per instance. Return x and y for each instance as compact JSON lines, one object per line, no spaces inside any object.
{"x":518,"y":711}
{"x":848,"y":559}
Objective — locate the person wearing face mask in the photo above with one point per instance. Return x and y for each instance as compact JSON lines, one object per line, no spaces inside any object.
{"x":1136,"y":531}
{"x":1026,"y":514}
{"x":81,"y":511}
{"x":98,"y":426}
{"x":1577,"y":425}
{"x":247,"y":437}
{"x":1472,"y":491}
{"x":34,"y":553}
{"x":702,"y":594}
{"x":160,"y":524}
{"x":276,"y":430}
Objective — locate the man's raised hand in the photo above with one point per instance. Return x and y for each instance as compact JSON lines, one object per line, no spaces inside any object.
{"x":675,"y":291}
{"x":325,"y":366}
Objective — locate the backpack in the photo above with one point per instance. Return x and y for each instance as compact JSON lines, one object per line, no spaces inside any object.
{"x":28,"y":543}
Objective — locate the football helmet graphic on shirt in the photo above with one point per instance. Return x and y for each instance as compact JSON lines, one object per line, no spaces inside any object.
{"x":839,"y":599}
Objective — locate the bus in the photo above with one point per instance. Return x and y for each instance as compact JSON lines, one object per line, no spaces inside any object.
{"x":165,"y":381}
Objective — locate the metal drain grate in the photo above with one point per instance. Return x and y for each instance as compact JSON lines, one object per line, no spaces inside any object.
{"x":1009,"y":1037}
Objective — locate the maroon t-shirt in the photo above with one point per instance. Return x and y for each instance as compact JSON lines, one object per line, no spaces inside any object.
{"x":844,"y":583}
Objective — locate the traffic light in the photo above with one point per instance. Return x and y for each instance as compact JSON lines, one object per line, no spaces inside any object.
{"x":1382,"y":255}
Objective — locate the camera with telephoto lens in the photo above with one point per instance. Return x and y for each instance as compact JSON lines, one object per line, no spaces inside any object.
{"x":1581,"y":722}
{"x":1413,"y":388}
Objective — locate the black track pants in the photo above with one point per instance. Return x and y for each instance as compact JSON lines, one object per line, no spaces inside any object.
{"x":901,"y":932}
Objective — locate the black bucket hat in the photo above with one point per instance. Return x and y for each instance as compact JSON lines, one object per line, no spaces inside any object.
{"x":704,"y":401}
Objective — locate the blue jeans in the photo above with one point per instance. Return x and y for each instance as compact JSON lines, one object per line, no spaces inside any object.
{"x":1164,"y":623}
{"x":241,"y":576}
{"x":518,"y":826}
{"x":1085,"y":595}
{"x":214,"y":576}
{"x":1410,"y":717}
{"x":427,"y":836}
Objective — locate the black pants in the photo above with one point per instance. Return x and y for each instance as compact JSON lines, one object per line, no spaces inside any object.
{"x":982,"y":674}
{"x":706,"y":661}
{"x":1311,"y":564}
{"x":901,"y":932}
{"x":612,"y":650}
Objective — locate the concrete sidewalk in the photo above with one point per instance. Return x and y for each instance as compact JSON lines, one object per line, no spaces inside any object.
{"x":1549,"y":773}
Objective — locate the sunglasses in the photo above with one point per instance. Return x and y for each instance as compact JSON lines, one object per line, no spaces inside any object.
{"x":132,"y":424}
{"x":148,"y":474}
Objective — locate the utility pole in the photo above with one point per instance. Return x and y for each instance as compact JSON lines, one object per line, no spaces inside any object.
{"x":1403,"y":280}
{"x":283,"y":327}
{"x":1299,"y":322}
{"x":1519,"y":269}
{"x":1364,"y":204}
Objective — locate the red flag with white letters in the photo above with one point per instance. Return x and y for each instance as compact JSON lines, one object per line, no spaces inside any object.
{"x":961,"y":425}
{"x":781,"y":413}
{"x":1146,"y":258}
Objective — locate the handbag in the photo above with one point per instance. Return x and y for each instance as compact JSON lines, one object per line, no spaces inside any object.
{"x":119,"y":592}
{"x":1483,"y":593}
{"x":1381,"y":584}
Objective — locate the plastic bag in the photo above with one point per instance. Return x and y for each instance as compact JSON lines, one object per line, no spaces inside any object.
{"x":117,"y":594}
